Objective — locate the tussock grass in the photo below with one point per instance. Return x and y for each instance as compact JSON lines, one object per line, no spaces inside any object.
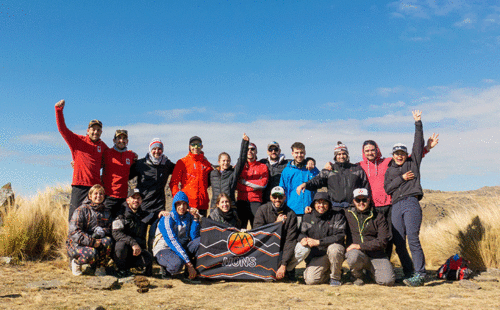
{"x":473,"y":232}
{"x":36,"y":228}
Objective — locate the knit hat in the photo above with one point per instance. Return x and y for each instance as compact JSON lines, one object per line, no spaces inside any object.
{"x":156,"y":142}
{"x":399,"y":147}
{"x":340,"y":147}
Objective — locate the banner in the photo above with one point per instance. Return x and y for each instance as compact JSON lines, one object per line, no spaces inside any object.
{"x":228,"y":253}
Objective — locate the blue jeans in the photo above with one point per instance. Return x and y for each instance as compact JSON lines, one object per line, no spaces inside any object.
{"x":406,"y":221}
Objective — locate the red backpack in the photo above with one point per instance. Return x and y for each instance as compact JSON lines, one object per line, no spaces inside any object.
{"x":455,"y":268}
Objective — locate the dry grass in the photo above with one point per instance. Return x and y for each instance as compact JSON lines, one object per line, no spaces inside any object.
{"x":75,"y":294}
{"x":473,"y":232}
{"x":35,"y":229}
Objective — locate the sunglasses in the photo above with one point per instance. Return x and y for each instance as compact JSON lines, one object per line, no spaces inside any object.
{"x":197,"y":145}
{"x":273,"y":149}
{"x":358,"y":200}
{"x":251,"y":149}
{"x":277,"y":196}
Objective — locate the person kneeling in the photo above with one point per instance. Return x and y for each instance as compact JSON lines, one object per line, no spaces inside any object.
{"x":367,"y":238}
{"x":321,"y":240}
{"x":277,"y":211}
{"x":177,"y":238}
{"x":129,"y":232}
{"x":89,"y":239}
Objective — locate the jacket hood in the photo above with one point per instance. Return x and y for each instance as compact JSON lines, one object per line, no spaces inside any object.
{"x":180,"y":196}
{"x":377,"y":157}
{"x":321,"y":195}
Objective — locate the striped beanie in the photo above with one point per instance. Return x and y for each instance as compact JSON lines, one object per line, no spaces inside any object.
{"x":156,"y":142}
{"x":340,"y":147}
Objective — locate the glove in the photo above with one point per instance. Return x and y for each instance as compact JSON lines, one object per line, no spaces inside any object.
{"x":98,"y":232}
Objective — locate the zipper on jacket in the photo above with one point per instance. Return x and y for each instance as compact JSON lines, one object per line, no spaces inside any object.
{"x":362,"y":228}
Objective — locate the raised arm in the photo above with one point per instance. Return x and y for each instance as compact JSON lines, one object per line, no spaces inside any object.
{"x":242,"y":159}
{"x":418,"y":141}
{"x":67,"y":134}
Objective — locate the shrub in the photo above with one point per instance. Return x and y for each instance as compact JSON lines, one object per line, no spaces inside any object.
{"x":35,"y":229}
{"x":473,"y":233}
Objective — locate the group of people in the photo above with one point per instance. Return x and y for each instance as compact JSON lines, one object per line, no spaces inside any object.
{"x":368,"y":206}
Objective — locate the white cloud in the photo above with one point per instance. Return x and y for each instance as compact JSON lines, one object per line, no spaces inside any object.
{"x":387,"y":91}
{"x":389,"y":105}
{"x":178,"y":114}
{"x":489,"y":81}
{"x":467,"y":22}
{"x":465,"y":118}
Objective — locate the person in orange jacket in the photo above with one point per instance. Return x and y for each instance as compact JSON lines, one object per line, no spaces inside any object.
{"x":191,"y":175}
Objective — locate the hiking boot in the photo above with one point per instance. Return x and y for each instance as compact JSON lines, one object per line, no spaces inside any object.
{"x":416,"y":280}
{"x":359,"y":282}
{"x":335,"y":282}
{"x":75,"y":268}
{"x":165,"y":274}
{"x":124,"y":273}
{"x":100,"y":271}
{"x":290,"y":275}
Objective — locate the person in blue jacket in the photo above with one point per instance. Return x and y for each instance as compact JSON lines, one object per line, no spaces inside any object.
{"x":177,"y":238}
{"x":294,"y":175}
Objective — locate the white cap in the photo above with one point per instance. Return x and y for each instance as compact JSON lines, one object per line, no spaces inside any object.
{"x":360,"y":192}
{"x":278,"y":190}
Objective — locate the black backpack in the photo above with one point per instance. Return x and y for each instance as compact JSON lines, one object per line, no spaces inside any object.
{"x":455,"y":268}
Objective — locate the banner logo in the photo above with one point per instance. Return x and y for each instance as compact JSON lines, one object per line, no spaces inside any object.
{"x":240,"y":243}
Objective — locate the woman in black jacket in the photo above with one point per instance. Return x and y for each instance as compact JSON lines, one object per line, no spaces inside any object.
{"x":224,"y":178}
{"x":402,"y":182}
{"x":224,"y":213}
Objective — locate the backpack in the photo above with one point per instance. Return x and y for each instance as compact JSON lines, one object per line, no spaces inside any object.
{"x":455,"y":268}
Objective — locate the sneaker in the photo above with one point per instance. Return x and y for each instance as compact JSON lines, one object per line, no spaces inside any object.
{"x":75,"y":268}
{"x":100,"y":271}
{"x":416,"y":280}
{"x":335,"y":282}
{"x":359,"y":282}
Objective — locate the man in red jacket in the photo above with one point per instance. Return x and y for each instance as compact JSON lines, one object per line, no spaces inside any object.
{"x":253,"y":181}
{"x":116,"y":171}
{"x":191,"y":175}
{"x":87,"y":152}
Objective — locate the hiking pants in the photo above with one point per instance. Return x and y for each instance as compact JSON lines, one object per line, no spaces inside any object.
{"x":321,"y":269}
{"x":173,"y":262}
{"x":406,"y":218}
{"x":381,"y":268}
{"x":246,"y":212}
{"x":78,"y":195}
{"x":386,"y":211}
{"x":93,"y":256}
{"x":124,"y":258}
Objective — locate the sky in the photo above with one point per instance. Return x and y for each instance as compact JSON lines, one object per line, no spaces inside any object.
{"x":317,"y":72}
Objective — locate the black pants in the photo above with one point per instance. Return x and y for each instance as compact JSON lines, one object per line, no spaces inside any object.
{"x":386,"y":211}
{"x":78,"y":195}
{"x":246,"y":212}
{"x":115,"y":205}
{"x":124,"y":258}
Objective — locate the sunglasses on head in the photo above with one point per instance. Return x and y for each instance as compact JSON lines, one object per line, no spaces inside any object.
{"x":197,"y":145}
{"x":276,"y":196}
{"x":358,"y":200}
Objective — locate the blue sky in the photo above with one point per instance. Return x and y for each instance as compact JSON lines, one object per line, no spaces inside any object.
{"x":310,"y":71}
